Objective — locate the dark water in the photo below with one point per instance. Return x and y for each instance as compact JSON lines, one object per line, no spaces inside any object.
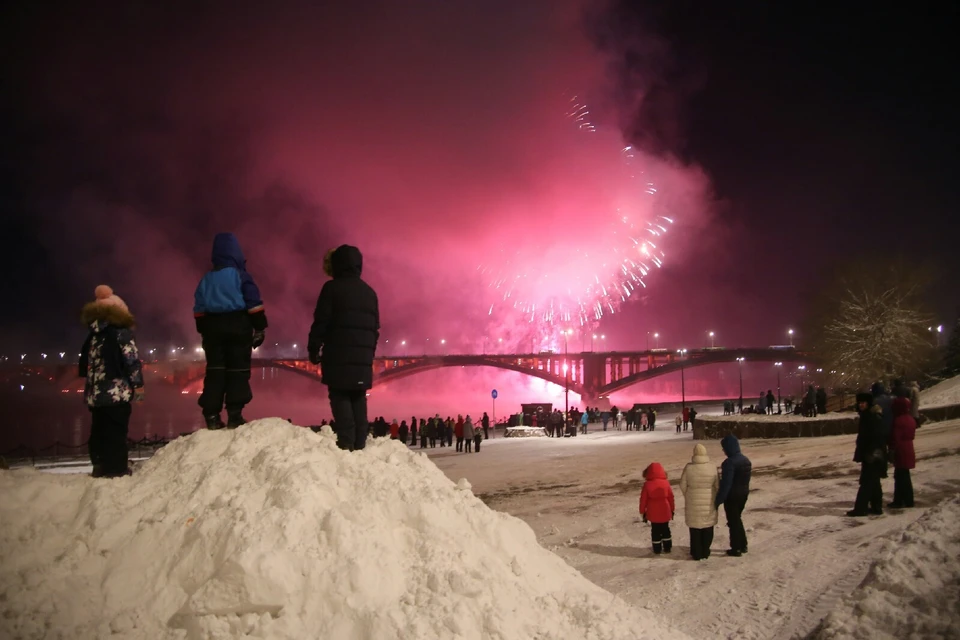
{"x":48,"y":413}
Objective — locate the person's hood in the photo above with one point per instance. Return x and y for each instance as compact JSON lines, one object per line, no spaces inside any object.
{"x":700,"y":455}
{"x":877,"y":390}
{"x":655,"y":472}
{"x":227,"y":252}
{"x":901,"y":406}
{"x":98,"y":316}
{"x":468,"y":421}
{"x":865,"y":397}
{"x":346,"y":261}
{"x":730,"y":445}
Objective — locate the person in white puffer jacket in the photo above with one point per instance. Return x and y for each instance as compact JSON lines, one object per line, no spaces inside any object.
{"x":699,"y":484}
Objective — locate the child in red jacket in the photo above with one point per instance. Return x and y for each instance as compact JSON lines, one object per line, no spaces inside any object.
{"x":657,"y":506}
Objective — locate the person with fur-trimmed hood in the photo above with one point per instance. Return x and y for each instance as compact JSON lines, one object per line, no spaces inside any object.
{"x":657,"y":507}
{"x":111,"y":366}
{"x":871,"y":453}
{"x":699,"y":485}
{"x":231,"y":321}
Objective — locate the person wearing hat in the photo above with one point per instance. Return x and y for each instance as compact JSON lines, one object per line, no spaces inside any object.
{"x":231,"y":320}
{"x":871,"y":453}
{"x":343,"y":341}
{"x":110,"y":364}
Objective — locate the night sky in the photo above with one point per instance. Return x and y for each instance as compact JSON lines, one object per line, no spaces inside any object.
{"x":782,"y":139}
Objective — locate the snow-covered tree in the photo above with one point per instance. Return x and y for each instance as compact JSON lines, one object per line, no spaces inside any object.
{"x":872,"y":323}
{"x":876,"y":334}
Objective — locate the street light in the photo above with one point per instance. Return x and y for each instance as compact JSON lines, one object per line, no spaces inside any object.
{"x":683,"y":382}
{"x":740,"y":371}
{"x":790,"y":333}
{"x":442,"y":346}
{"x":778,"y":365}
{"x":656,"y":337}
{"x":712,"y":343}
{"x":566,"y":380}
{"x":801,"y":369}
{"x":403,"y":350}
{"x":592,"y":338}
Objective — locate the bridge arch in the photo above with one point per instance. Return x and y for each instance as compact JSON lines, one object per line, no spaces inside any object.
{"x":704,"y":359}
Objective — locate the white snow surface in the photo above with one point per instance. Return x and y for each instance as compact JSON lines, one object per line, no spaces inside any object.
{"x":913,"y":590}
{"x":270,"y":531}
{"x":943,"y":394}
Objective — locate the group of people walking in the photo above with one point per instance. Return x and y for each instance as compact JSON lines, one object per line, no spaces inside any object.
{"x":704,"y":490}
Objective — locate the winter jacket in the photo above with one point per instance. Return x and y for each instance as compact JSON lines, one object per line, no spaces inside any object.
{"x":699,"y":484}
{"x":458,"y":428}
{"x":584,"y":418}
{"x":914,"y":390}
{"x":871,"y":444}
{"x":901,"y":438}
{"x":227,"y":300}
{"x":734,"y":472}
{"x":468,"y":431}
{"x":108,"y":359}
{"x":883,"y":400}
{"x":346,"y":324}
{"x":394,"y":430}
{"x":656,"y":497}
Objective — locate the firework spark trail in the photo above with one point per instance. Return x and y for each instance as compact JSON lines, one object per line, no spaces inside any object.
{"x":555,"y":288}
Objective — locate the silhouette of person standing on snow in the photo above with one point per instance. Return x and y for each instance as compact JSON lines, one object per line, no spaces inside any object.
{"x":343,"y":341}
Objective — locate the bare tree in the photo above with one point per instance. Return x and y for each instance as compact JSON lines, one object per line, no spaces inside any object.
{"x":871,"y":323}
{"x":876,"y":334}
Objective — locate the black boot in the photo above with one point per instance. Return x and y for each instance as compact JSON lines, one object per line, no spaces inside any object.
{"x":213,"y":422}
{"x":97,"y":471}
{"x":667,"y":545}
{"x":234,"y":419}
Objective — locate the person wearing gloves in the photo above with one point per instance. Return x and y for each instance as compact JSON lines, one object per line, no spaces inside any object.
{"x":657,"y":507}
{"x":110,"y":364}
{"x":343,"y":341}
{"x":699,"y":484}
{"x":231,"y":321}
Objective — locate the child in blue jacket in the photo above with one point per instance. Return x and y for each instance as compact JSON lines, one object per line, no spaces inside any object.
{"x":231,"y":321}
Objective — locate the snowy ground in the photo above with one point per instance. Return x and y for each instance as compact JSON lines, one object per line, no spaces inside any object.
{"x":580,"y":497}
{"x":941,"y":395}
{"x":784,"y":417}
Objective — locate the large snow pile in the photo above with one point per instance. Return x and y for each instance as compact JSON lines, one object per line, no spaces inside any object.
{"x":913,"y":589}
{"x":941,"y":395}
{"x":270,"y":531}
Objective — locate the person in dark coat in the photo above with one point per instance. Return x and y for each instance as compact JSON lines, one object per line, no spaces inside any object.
{"x":871,"y":453}
{"x":771,"y":401}
{"x":904,"y":456}
{"x":734,"y":488}
{"x":821,"y":400}
{"x":230,"y":318}
{"x":343,"y":341}
{"x":113,"y":373}
{"x":404,"y":431}
{"x":485,"y":423}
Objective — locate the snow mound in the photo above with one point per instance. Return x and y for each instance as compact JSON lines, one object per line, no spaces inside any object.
{"x":912,"y":590}
{"x":943,"y":394}
{"x":783,"y":417}
{"x":270,"y":531}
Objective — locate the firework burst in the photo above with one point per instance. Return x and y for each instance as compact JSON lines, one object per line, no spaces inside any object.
{"x":573,"y":280}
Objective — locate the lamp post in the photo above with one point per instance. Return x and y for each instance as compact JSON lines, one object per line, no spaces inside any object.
{"x":403,"y":344}
{"x":801,"y":369}
{"x":740,"y":371}
{"x":778,"y":365}
{"x":592,"y":338}
{"x":712,"y":342}
{"x":790,"y":333}
{"x":683,"y":382}
{"x":566,"y":381}
{"x":656,"y":337}
{"x":443,"y":346}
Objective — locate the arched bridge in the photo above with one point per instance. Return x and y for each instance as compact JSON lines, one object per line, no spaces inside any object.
{"x":592,"y":375}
